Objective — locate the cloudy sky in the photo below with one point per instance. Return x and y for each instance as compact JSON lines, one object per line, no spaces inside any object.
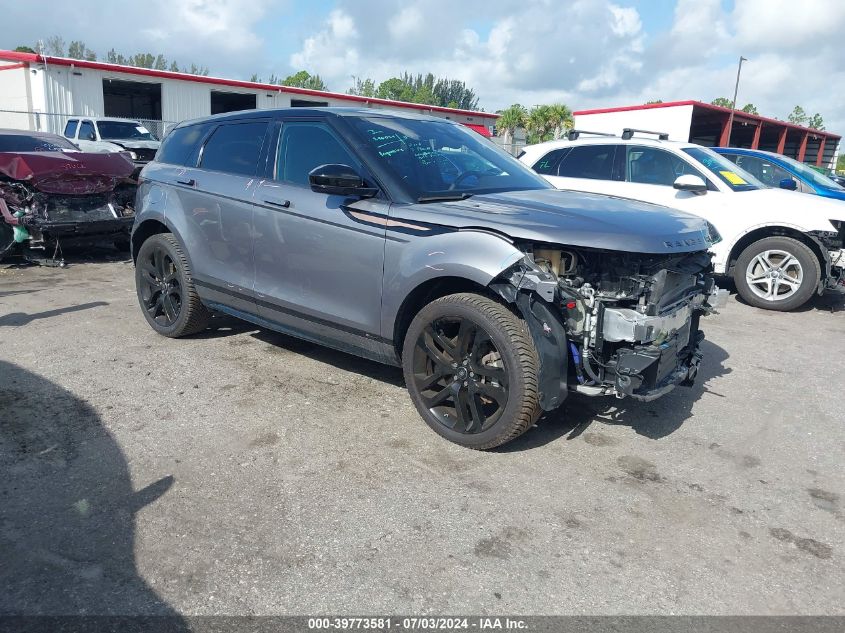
{"x":585,"y":53}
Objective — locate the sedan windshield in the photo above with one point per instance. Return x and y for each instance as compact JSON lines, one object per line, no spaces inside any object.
{"x":124,"y":130}
{"x":45,"y":143}
{"x":442,"y":160}
{"x":733,"y":176}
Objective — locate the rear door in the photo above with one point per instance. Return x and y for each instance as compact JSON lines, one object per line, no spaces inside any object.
{"x":217,"y":208}
{"x":318,"y":267}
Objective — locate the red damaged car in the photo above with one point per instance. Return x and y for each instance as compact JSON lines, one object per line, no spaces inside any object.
{"x":52,"y":194}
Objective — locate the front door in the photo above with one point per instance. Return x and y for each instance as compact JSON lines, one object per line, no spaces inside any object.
{"x":318,"y":268}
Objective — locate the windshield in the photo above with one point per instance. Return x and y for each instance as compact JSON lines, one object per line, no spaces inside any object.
{"x":23,"y":143}
{"x":443,"y":160}
{"x":734,"y":177}
{"x":808,"y":173}
{"x":124,"y":130}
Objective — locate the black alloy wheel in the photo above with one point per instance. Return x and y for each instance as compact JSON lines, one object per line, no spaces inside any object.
{"x":159,"y":288}
{"x":460,"y":375}
{"x":166,"y":290}
{"x":471,"y":369}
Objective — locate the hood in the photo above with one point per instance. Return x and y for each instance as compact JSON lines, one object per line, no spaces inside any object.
{"x":812,"y":212}
{"x":571,"y":218}
{"x":72,"y":173}
{"x":129,"y":143}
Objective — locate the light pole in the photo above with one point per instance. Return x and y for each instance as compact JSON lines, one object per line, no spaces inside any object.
{"x":733,"y":105}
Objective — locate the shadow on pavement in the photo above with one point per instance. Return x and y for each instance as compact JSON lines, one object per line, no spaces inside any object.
{"x":67,"y":509}
{"x":22,"y":318}
{"x":654,"y":420}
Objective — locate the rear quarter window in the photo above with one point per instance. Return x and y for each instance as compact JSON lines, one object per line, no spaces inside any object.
{"x":181,"y":146}
{"x":547,"y":165}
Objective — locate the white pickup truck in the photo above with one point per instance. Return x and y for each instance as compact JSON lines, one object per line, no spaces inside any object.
{"x":106,"y":135}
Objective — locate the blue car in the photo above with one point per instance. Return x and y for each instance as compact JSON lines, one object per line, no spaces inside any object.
{"x":777,"y":170}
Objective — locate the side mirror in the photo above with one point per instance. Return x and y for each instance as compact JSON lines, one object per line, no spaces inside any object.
{"x":788,"y":183}
{"x":691,"y":183}
{"x":340,"y":180}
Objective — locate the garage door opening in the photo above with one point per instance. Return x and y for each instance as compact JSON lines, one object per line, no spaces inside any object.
{"x":131,"y":99}
{"x":231,"y":101}
{"x":303,"y":103}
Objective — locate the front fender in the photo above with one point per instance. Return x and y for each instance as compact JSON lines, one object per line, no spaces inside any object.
{"x":411,"y":260}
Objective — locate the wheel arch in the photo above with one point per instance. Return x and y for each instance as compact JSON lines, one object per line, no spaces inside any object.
{"x":144,"y":231}
{"x":774,"y":231}
{"x":426,"y":292}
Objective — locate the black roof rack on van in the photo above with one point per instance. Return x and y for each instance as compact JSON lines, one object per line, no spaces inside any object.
{"x":573,"y":135}
{"x":628,"y":133}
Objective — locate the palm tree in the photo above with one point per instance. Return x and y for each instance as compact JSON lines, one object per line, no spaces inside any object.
{"x":511,"y":119}
{"x":560,"y":119}
{"x":539,"y":124}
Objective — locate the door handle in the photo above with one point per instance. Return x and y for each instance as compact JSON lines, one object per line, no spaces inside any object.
{"x":190,"y":182}
{"x":284,"y":204}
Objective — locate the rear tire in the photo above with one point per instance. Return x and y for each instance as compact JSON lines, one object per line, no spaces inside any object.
{"x":471,"y":369}
{"x":777,"y":273}
{"x":166,"y":290}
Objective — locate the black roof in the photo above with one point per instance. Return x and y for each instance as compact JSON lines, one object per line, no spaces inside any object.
{"x":241,"y":115}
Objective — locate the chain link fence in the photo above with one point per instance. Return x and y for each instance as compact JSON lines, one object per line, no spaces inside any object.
{"x":55,"y":122}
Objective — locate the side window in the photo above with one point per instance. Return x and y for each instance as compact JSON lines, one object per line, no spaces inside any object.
{"x":234,"y":148}
{"x":548,"y":164}
{"x":181,"y":145}
{"x":654,"y":166}
{"x":765,"y":171}
{"x":588,"y":161}
{"x":304,"y":145}
{"x":86,"y":131}
{"x":70,"y":128}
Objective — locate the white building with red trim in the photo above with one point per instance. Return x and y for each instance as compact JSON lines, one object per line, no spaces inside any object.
{"x":709,"y":125}
{"x":40,"y":92}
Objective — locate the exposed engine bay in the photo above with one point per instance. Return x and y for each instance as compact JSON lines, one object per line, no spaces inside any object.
{"x":628,"y":323}
{"x":51,"y":198}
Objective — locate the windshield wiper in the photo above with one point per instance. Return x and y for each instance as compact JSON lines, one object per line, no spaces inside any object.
{"x":444,"y":197}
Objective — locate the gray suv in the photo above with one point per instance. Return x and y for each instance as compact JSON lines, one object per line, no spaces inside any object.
{"x":413,"y":241}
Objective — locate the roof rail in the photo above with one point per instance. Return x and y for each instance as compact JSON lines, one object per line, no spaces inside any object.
{"x":573,"y":135}
{"x":628,"y":133}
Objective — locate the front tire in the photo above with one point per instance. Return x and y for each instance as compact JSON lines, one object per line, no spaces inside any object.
{"x":166,"y":290}
{"x":777,"y":273}
{"x":471,"y":369}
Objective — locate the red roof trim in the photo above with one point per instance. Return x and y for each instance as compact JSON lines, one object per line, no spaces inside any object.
{"x":234,"y":83}
{"x":481,"y":129}
{"x":710,"y":106}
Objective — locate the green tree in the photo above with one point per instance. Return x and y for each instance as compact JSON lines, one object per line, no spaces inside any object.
{"x":363,"y":88}
{"x":816,"y":122}
{"x":255,"y":78}
{"x":24,"y":49}
{"x":560,"y":119}
{"x":160,"y":62}
{"x":797,"y":116}
{"x":55,"y":46}
{"x":396,"y":89}
{"x":750,"y":108}
{"x":510,"y":120}
{"x":539,"y":124}
{"x":78,"y":50}
{"x":304,"y":79}
{"x":722,"y":102}
{"x":840,"y":163}
{"x":654,"y":101}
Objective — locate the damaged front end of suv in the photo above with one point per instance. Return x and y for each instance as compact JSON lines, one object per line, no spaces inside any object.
{"x":612,"y":323}
{"x":51,"y":195}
